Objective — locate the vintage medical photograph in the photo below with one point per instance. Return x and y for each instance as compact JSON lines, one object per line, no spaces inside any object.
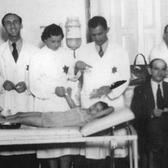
{"x":84,"y":84}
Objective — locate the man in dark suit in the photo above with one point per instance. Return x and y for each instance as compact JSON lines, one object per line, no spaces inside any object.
{"x":150,"y":106}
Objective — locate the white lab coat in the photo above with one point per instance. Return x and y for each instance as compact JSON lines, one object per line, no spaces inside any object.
{"x":160,"y":51}
{"x":47,"y":71}
{"x":15,"y":72}
{"x":113,"y":66}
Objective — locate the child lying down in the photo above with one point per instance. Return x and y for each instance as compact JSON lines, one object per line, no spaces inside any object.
{"x":73,"y":117}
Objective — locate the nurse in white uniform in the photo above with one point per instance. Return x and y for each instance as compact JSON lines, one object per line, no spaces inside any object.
{"x":51,"y":69}
{"x":110,"y":63}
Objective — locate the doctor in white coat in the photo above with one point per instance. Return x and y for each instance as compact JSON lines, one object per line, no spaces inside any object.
{"x":109,"y":63}
{"x":14,"y":70}
{"x":15,"y":57}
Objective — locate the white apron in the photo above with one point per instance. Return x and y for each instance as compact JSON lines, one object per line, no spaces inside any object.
{"x":15,"y":72}
{"x":11,"y":101}
{"x":47,"y":71}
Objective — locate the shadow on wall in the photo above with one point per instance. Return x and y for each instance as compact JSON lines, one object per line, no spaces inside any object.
{"x":3,"y":35}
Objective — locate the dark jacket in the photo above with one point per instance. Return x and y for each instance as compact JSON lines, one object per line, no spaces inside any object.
{"x":143,"y":104}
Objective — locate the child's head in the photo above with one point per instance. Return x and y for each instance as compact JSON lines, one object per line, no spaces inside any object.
{"x":52,"y":36}
{"x":98,"y":107}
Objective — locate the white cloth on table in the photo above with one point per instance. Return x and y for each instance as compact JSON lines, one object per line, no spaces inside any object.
{"x":47,"y":71}
{"x":113,"y":66}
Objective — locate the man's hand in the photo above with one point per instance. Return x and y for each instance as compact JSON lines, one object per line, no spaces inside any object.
{"x":20,"y":87}
{"x":60,"y":91}
{"x":8,"y":85}
{"x":2,"y":119}
{"x":81,"y":66}
{"x":69,"y":91}
{"x":165,"y":110}
{"x":98,"y":93}
{"x":158,"y":112}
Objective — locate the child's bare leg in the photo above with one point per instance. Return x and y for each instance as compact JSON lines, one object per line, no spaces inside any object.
{"x":23,"y":114}
{"x":30,"y":120}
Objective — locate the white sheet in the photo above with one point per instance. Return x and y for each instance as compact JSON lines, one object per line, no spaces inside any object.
{"x":116,"y":118}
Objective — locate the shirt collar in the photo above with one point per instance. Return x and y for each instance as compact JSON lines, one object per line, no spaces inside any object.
{"x":104,"y":46}
{"x":18,"y":44}
{"x":155,"y":85}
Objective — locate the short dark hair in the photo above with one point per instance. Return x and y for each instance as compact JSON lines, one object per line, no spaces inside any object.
{"x":156,"y":59}
{"x":165,"y":28}
{"x":104,"y":105}
{"x":3,"y":19}
{"x":51,"y":30}
{"x":97,"y":21}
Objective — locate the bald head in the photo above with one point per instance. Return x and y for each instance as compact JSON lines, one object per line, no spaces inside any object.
{"x":158,"y":69}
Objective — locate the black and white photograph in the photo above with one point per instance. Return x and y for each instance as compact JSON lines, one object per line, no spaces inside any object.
{"x":84,"y":84}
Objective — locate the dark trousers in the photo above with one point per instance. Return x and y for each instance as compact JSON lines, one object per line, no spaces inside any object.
{"x":82,"y":162}
{"x":19,"y":161}
{"x":157,"y":131}
{"x":143,"y":151}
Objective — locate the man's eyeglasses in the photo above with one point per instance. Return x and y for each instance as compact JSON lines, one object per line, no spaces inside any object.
{"x":9,"y":23}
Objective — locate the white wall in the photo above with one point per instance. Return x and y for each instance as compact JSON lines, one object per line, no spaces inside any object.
{"x":135,"y":24}
{"x":164,"y":13}
{"x":37,"y":13}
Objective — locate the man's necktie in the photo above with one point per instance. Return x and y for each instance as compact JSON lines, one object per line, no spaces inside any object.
{"x":101,"y":51}
{"x":14,"y":52}
{"x":159,"y":98}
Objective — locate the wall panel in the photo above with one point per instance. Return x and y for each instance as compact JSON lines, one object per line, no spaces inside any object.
{"x":39,"y":13}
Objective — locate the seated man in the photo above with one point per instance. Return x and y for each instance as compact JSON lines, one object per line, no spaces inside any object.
{"x":149,"y":104}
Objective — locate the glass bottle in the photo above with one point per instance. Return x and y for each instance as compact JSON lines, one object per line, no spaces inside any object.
{"x":73,"y":33}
